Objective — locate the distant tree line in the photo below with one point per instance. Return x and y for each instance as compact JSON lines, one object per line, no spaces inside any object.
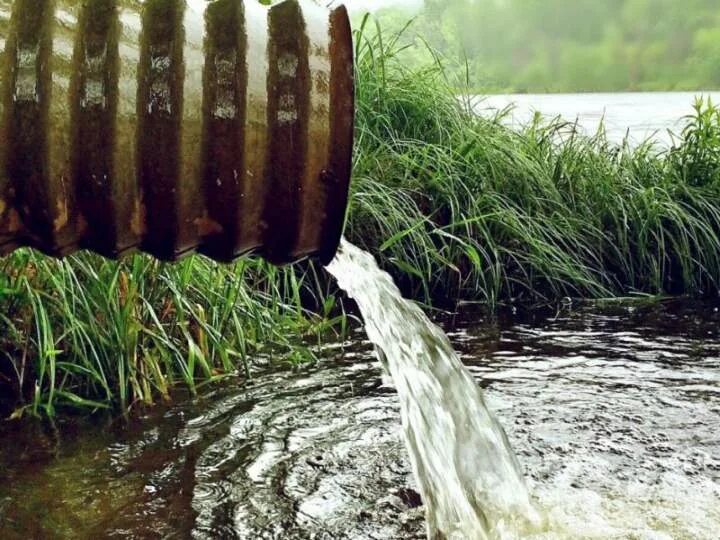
{"x":573,"y":45}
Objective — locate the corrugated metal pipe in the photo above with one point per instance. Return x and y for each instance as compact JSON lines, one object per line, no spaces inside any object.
{"x":174,"y":126}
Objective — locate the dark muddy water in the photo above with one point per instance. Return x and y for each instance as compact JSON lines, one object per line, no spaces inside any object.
{"x":614,"y":413}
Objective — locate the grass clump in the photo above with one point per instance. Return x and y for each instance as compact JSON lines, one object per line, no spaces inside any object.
{"x":456,"y":206}
{"x":91,"y":334}
{"x":460,"y":206}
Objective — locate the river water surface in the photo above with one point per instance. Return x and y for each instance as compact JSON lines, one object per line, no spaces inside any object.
{"x":639,"y":116}
{"x":613,"y":411}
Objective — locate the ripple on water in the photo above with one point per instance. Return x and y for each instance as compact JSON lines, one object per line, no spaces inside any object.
{"x":613,"y":414}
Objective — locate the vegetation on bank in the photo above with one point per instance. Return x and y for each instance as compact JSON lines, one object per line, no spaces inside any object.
{"x":461,"y":206}
{"x":94,"y":334}
{"x":455,"y":206}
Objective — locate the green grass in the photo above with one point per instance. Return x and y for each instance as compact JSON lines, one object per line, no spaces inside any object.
{"x":460,"y":206}
{"x":93,"y":334}
{"x":455,"y":206}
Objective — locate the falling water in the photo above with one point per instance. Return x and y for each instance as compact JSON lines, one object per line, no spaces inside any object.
{"x":470,"y":480}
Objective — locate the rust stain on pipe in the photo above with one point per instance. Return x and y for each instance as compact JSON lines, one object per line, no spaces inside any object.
{"x":288,"y":122}
{"x":174,"y":126}
{"x":93,"y":110}
{"x":224,"y":109}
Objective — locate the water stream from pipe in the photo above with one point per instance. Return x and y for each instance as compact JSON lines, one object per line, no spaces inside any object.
{"x":469,"y":477}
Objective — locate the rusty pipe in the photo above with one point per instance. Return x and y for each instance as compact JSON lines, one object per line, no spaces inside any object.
{"x":174,"y":126}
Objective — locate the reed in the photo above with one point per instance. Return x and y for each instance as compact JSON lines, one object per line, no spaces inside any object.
{"x":93,"y":334}
{"x":459,"y":206}
{"x":455,"y":206}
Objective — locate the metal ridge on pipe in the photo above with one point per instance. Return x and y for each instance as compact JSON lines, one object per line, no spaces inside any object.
{"x":175,"y":126}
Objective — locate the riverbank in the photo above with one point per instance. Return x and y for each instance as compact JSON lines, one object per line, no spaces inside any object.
{"x":455,"y":206}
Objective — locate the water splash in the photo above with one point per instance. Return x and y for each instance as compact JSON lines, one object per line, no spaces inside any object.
{"x":470,"y":480}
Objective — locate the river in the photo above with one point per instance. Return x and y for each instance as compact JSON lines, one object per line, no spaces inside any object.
{"x":612,"y":410}
{"x":637,"y":115}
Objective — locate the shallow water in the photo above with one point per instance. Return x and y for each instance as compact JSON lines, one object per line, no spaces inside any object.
{"x":613,"y":412}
